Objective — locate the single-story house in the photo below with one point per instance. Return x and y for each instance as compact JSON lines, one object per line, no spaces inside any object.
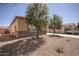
{"x":3,"y":30}
{"x":69,"y":27}
{"x":19,"y":27}
{"x":65,"y":27}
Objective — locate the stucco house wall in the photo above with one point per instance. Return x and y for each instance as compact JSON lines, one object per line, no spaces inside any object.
{"x":18,"y":26}
{"x":70,"y":26}
{"x":14,"y":27}
{"x":22,"y":26}
{"x":2,"y":31}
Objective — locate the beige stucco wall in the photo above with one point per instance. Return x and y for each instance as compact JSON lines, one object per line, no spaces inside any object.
{"x":2,"y":31}
{"x":22,"y":26}
{"x":18,"y":25}
{"x":12,"y":27}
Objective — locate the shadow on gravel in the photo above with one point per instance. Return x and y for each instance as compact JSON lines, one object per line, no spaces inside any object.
{"x":55,"y":36}
{"x":23,"y":47}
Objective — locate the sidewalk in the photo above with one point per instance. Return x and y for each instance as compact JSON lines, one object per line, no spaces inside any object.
{"x":64,"y":35}
{"x":13,"y":41}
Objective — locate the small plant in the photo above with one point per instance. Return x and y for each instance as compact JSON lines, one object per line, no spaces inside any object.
{"x":67,"y":40}
{"x":59,"y":50}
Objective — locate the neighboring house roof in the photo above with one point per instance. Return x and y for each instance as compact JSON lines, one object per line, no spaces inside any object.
{"x":15,"y":19}
{"x":3,"y":27}
{"x":3,"y":30}
{"x":69,"y":24}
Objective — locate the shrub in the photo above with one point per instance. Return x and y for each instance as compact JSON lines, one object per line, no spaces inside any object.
{"x":59,"y":50}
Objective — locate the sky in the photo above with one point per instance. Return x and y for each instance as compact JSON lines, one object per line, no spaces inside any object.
{"x":68,"y":12}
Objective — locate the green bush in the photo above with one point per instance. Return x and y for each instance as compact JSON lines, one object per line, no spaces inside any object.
{"x":72,"y":32}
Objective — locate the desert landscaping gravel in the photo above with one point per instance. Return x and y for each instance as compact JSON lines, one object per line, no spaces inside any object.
{"x":58,"y":46}
{"x":47,"y":46}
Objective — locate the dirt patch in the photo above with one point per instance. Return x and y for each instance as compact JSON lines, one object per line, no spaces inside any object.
{"x":7,"y":38}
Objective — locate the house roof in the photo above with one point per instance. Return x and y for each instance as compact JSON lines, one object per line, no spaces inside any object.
{"x":69,"y":24}
{"x":3,"y":27}
{"x":15,"y":19}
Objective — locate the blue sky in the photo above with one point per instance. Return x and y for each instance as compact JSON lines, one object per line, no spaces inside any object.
{"x":68,"y":12}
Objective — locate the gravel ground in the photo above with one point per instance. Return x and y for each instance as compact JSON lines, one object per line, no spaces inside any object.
{"x":21,"y":48}
{"x":47,"y":46}
{"x":58,"y":46}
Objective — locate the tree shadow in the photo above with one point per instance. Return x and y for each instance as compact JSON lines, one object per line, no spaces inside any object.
{"x":55,"y":36}
{"x":23,"y":47}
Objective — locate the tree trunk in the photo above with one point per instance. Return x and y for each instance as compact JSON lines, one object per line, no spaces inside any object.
{"x":37,"y":35}
{"x":54,"y":27}
{"x":27,"y":27}
{"x":54,"y":30}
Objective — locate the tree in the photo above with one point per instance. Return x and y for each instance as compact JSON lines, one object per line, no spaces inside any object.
{"x":37,"y":15}
{"x":78,"y":26}
{"x":56,"y":23}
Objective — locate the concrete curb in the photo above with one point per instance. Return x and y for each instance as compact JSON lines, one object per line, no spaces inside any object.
{"x":12,"y":41}
{"x":64,"y":35}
